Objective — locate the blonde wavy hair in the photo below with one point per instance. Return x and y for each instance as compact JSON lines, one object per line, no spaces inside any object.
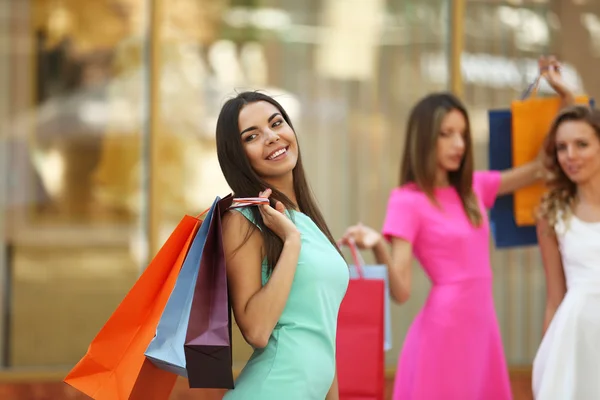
{"x":559,"y":198}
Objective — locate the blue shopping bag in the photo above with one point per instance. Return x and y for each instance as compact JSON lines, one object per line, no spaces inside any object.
{"x":166,"y":348}
{"x":504,"y":228}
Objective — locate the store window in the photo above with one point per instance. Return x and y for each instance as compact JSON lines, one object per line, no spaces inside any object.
{"x":74,"y":217}
{"x":71,"y":241}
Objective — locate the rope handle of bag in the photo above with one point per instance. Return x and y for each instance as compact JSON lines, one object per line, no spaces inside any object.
{"x":359,"y":262}
{"x":242,"y":202}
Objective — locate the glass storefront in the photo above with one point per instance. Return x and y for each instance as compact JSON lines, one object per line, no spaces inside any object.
{"x":108,"y":111}
{"x":72,"y":122}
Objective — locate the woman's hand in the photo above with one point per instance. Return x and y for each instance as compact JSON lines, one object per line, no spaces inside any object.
{"x":550,"y":69}
{"x":366,"y":238}
{"x":276,"y":220}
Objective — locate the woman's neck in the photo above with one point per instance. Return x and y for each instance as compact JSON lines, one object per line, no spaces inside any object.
{"x":589,"y":192}
{"x":441,"y":178}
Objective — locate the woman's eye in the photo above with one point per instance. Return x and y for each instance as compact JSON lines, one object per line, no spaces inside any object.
{"x":276,"y":123}
{"x":250,"y":137}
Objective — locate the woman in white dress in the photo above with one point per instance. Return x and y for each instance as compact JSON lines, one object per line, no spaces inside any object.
{"x":567,"y":364}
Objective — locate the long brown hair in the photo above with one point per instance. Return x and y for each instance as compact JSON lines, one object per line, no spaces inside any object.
{"x":561,"y":190}
{"x":244,"y":181}
{"x":419,"y":161}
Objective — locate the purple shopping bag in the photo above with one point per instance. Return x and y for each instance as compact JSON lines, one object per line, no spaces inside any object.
{"x":207,"y":345}
{"x":208,"y":340}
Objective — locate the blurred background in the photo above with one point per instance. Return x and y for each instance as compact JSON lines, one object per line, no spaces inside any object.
{"x":107,"y":115}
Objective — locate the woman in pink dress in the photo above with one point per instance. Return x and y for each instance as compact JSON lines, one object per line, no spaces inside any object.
{"x":453,"y":349}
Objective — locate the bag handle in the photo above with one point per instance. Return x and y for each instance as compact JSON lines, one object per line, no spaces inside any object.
{"x":248,"y":201}
{"x":241,"y":202}
{"x":359,"y":262}
{"x":532,"y":89}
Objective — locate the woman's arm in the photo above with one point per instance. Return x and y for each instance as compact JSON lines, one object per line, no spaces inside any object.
{"x":532,"y":172}
{"x":256,"y":308}
{"x":400,"y":269}
{"x":334,"y":391}
{"x":551,"y":70}
{"x":399,"y":263}
{"x":555,"y":278}
{"x":519,"y":177}
{"x":399,"y":266}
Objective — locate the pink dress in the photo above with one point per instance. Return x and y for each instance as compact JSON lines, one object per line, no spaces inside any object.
{"x":453,"y":349}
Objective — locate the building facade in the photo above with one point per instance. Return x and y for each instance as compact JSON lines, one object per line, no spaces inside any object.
{"x":108,"y":111}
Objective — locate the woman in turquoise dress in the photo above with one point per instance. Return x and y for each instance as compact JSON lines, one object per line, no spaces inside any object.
{"x":285,"y":274}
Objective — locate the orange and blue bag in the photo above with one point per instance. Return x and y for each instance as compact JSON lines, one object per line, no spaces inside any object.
{"x":114,"y":366}
{"x":531,"y":120}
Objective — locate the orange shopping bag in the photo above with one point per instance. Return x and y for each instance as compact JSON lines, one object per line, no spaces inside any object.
{"x":114,"y":367}
{"x":531,"y":120}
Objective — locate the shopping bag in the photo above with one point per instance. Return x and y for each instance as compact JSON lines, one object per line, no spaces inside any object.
{"x":531,"y":120}
{"x":360,"y":337}
{"x":208,"y":339}
{"x":504,"y":228}
{"x":377,"y":272}
{"x":166,"y":348}
{"x":114,"y":366}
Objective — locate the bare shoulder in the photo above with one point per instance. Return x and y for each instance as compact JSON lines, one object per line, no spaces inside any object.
{"x":239,"y":233}
{"x":234,"y":221}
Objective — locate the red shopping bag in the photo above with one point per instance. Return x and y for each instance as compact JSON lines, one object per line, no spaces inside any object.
{"x":360,"y":337}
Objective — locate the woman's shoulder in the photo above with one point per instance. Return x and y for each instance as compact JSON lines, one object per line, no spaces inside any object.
{"x":237,"y":222}
{"x":407,"y":194}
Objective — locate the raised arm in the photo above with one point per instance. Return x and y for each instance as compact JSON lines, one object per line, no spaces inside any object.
{"x":551,"y":70}
{"x":521,"y":176}
{"x":257,"y":308}
{"x":532,"y":172}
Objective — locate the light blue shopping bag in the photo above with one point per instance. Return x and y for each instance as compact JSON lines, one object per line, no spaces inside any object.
{"x":166,"y":348}
{"x":377,"y":272}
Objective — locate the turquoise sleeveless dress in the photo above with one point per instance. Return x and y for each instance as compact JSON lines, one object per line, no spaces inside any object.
{"x":298,"y":362}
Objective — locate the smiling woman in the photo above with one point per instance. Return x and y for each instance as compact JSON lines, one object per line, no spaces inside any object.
{"x":568,"y":234}
{"x":285,"y":274}
{"x":243,"y":145}
{"x":269,"y":143}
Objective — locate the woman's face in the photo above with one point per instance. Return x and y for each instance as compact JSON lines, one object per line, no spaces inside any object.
{"x":451,"y":141}
{"x":578,"y":151}
{"x":268,"y":141}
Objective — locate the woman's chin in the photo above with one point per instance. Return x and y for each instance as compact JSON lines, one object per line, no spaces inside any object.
{"x":452,"y":168}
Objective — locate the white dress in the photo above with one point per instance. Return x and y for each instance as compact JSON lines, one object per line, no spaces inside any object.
{"x":567,"y":364}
